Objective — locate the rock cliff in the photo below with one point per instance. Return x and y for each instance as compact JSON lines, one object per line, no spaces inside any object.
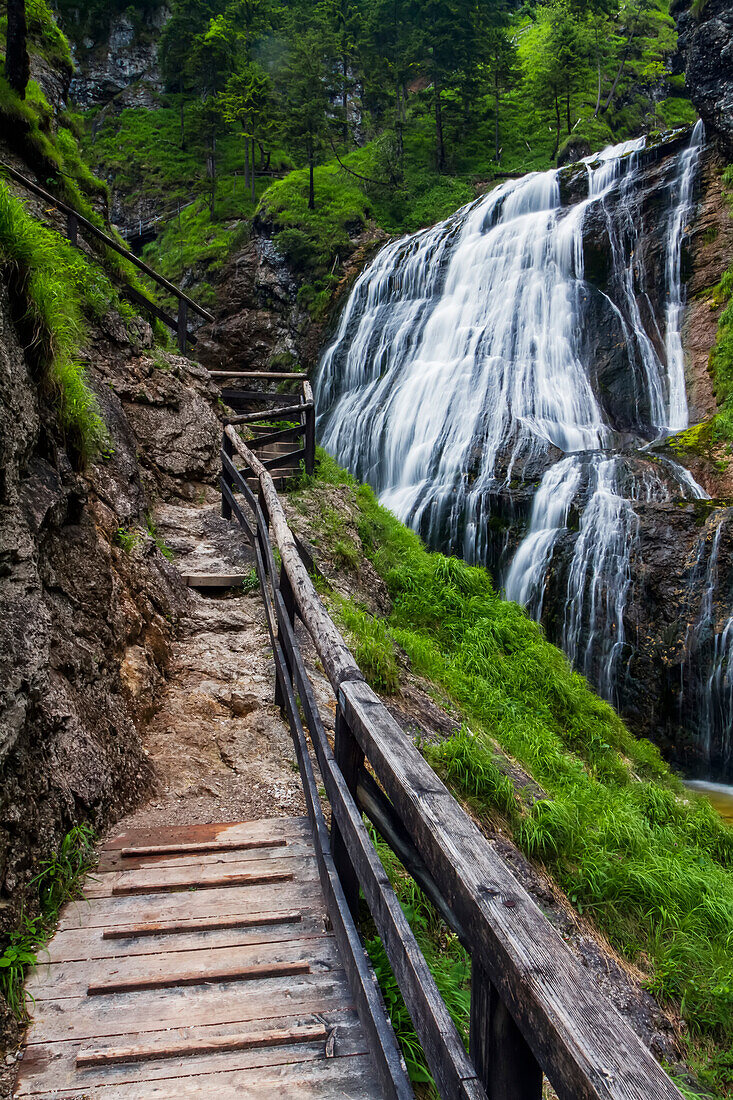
{"x":706,"y":44}
{"x":88,"y":602}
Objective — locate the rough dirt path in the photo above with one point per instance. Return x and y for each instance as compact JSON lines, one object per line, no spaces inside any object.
{"x":218,"y":745}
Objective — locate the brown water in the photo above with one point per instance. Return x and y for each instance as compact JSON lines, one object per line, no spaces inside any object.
{"x":718,"y":794}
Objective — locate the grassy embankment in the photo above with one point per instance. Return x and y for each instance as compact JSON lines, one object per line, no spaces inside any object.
{"x":649,"y":864}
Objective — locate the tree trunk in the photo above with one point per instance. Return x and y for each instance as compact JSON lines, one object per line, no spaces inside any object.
{"x":311,"y":166}
{"x":17,"y":62}
{"x":558,"y":125}
{"x":183,"y":126}
{"x":598,"y":68}
{"x":497,"y":154}
{"x":252,"y":181}
{"x":246,"y":162}
{"x":567,"y":111}
{"x":211,"y":165}
{"x":439,"y":144}
{"x":345,"y":97}
{"x":398,"y":124}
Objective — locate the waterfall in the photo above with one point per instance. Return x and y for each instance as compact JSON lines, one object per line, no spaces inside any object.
{"x":462,"y":385}
{"x":708,"y":667}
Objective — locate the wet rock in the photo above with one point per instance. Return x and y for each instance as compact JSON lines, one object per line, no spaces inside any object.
{"x":706,"y":43}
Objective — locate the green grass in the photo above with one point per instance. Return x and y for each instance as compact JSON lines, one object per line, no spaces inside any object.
{"x":54,"y":291}
{"x":57,"y":881}
{"x":448,"y":961}
{"x":648,"y":863}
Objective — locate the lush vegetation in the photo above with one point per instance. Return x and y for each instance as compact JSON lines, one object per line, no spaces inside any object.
{"x":721,"y":359}
{"x":55,"y":289}
{"x":649,"y":864}
{"x":390,"y":114}
{"x":57,"y":880}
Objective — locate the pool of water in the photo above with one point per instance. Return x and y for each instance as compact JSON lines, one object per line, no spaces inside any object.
{"x":719,"y":794}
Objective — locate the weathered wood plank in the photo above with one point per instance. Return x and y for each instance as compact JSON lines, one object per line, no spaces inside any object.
{"x":108,"y":911}
{"x":206,"y":874}
{"x":198,"y":977}
{"x":148,"y":940}
{"x":186,"y":1006}
{"x":225,"y":832}
{"x":169,"y":1047}
{"x":347,"y":1078}
{"x":585,"y":1047}
{"x":71,"y":979}
{"x":273,"y":375}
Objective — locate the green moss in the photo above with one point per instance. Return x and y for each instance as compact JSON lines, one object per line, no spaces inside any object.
{"x":54,"y":287}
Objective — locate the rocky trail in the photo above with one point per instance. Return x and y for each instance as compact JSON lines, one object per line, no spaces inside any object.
{"x":218,"y":745}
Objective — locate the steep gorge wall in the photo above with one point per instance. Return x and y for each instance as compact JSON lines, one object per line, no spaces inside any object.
{"x":88,"y":603}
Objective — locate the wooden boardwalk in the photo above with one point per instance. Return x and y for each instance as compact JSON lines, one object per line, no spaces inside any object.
{"x":199,"y":963}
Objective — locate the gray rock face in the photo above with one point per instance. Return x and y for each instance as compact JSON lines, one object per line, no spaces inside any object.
{"x":706,"y":43}
{"x":122,"y":65}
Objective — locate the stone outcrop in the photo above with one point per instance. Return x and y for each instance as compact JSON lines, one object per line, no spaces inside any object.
{"x":706,"y":44}
{"x":120,"y":63}
{"x":259,"y":321}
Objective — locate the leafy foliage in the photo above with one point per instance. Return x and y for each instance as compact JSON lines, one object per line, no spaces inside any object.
{"x":57,"y":881}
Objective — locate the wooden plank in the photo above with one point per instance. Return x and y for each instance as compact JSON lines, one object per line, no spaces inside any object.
{"x":254,"y":856}
{"x":277,"y":399}
{"x":499,"y":1051}
{"x":225,"y":974}
{"x":187,"y":1006}
{"x":215,"y":1044}
{"x":184,"y":1052}
{"x":207,"y":846}
{"x":244,"y":878}
{"x":274,"y":375}
{"x":348,"y":1078}
{"x":162,"y":928}
{"x":222,"y":832}
{"x":446,"y":1056}
{"x":106,"y":911}
{"x":153,"y":308}
{"x":584,"y":1046}
{"x":281,"y":413}
{"x":52,"y":981}
{"x":288,"y":459}
{"x":79,"y":945}
{"x":214,"y":580}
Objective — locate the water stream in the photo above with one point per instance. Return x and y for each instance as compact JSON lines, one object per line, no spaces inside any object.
{"x":462,"y":385}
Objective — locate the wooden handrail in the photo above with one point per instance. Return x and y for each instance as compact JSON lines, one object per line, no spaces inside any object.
{"x":532,"y":1010}
{"x":80,"y":220}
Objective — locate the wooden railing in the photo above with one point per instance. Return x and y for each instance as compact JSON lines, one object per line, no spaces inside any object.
{"x":534,"y":1011}
{"x":299,"y":408}
{"x":76,"y":224}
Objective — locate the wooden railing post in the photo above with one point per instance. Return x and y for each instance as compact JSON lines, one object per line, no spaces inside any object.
{"x":310,"y":441}
{"x":350,"y":760}
{"x":182,"y":325}
{"x":504,"y":1063}
{"x":72,"y":227}
{"x":228,"y":449}
{"x":286,"y":591}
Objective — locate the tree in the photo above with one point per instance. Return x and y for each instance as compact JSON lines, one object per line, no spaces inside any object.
{"x":344,"y":20}
{"x":503,"y":71}
{"x":189,"y":18}
{"x":247,"y":102}
{"x":17,"y":61}
{"x":305,"y":84}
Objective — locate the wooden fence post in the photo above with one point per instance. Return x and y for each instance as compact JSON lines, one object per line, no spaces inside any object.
{"x":182,"y":325}
{"x":310,"y":441}
{"x":350,"y":760}
{"x":286,"y":591}
{"x":505,"y":1065}
{"x":228,"y":449}
{"x":72,"y":226}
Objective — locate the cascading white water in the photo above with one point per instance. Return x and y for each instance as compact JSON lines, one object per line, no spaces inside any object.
{"x":460,"y":371}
